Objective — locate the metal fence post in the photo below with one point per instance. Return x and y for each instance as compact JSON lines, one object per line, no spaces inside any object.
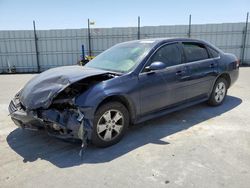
{"x":189,"y":26}
{"x":36,"y":48}
{"x":89,"y":39}
{"x":139,"y":25}
{"x":83,"y":52}
{"x":244,"y":41}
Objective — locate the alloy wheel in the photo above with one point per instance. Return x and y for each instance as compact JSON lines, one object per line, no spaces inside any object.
{"x":110,"y":125}
{"x":220,"y":92}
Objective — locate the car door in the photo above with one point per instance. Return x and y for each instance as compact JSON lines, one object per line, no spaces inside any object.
{"x":201,"y":69}
{"x":161,"y":88}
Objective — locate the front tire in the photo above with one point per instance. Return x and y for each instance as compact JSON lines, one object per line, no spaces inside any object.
{"x":110,"y":124}
{"x":219,"y":92}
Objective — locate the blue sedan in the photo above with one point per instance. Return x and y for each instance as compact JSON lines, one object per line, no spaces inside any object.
{"x":127,"y":84}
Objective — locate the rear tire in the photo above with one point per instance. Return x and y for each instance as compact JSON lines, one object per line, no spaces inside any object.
{"x":219,"y":92}
{"x":110,"y":124}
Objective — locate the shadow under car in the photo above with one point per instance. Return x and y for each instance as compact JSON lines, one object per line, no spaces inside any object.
{"x":34,"y":145}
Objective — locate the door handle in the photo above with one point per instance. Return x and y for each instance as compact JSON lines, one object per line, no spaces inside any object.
{"x":211,"y":65}
{"x":179,"y":73}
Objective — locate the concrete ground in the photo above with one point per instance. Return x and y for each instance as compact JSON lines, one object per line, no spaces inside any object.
{"x":200,"y":146}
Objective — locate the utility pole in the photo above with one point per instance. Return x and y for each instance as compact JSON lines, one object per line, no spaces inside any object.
{"x":189,"y":26}
{"x":139,"y":27}
{"x":244,"y":40}
{"x":89,"y":39}
{"x":36,"y":48}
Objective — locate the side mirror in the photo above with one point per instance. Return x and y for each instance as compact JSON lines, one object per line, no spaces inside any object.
{"x":157,"y":65}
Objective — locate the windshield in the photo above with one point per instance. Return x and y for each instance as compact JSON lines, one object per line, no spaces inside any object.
{"x":122,"y":57}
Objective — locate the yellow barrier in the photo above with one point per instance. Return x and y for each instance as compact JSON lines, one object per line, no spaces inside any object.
{"x":90,"y":57}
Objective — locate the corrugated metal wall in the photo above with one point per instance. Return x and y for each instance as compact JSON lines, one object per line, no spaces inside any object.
{"x":63,"y":47}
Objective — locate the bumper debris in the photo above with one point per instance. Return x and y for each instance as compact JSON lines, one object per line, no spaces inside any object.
{"x":69,"y":124}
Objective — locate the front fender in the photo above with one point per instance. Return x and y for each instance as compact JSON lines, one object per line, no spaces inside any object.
{"x":91,"y":98}
{"x":116,"y":87}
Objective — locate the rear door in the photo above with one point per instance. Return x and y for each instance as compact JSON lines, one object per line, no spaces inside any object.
{"x":162,"y":88}
{"x":201,"y":69}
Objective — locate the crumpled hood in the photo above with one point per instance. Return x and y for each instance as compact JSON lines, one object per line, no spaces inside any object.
{"x":43,"y":88}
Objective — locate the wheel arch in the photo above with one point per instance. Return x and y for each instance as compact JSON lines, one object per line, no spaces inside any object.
{"x":226,"y":76}
{"x":123,"y":100}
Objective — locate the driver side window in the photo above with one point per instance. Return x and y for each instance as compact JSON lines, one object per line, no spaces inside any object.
{"x":168,"y":54}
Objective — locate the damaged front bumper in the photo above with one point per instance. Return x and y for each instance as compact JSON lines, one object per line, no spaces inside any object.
{"x":69,"y":123}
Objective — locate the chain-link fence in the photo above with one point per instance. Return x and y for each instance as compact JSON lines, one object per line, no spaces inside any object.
{"x":30,"y":51}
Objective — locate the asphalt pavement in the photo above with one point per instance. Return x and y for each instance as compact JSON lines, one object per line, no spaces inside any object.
{"x":200,"y":146}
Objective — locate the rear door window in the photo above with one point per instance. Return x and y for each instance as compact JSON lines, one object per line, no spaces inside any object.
{"x":195,"y":51}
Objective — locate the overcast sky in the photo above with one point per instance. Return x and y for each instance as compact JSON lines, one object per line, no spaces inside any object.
{"x":57,"y":14}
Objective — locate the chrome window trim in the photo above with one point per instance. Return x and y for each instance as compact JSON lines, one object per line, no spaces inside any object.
{"x":215,"y":58}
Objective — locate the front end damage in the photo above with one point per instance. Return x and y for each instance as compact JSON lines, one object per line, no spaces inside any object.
{"x":62,"y":123}
{"x":62,"y":117}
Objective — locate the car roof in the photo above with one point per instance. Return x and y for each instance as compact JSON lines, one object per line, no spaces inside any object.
{"x":156,"y":41}
{"x":170,"y":39}
{"x":159,"y":41}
